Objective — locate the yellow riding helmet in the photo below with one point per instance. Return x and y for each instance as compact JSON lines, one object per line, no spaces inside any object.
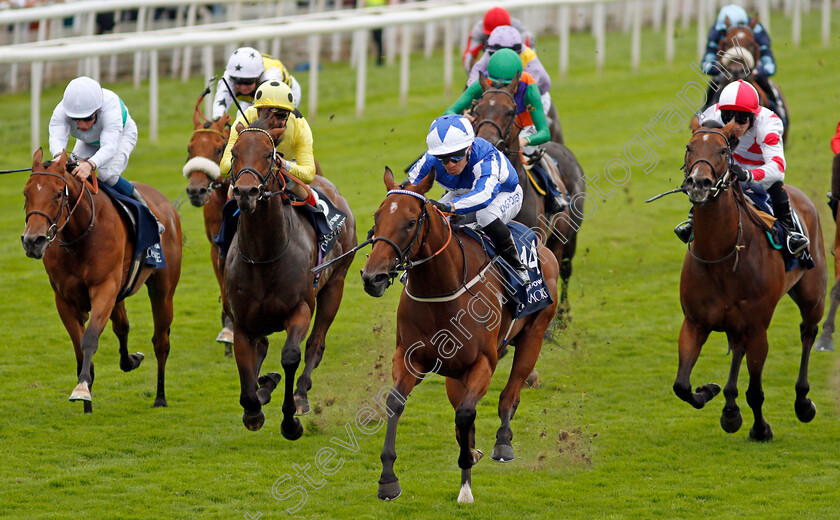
{"x":274,"y":94}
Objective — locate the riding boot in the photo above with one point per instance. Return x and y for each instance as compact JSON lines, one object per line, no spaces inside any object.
{"x":139,"y":198}
{"x":500,"y":235}
{"x":553,"y":203}
{"x":796,"y":241}
{"x":685,"y":229}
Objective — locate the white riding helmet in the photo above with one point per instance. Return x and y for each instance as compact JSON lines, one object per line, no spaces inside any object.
{"x":82,"y":97}
{"x":736,"y":14}
{"x":449,"y":134}
{"x":245,"y":62}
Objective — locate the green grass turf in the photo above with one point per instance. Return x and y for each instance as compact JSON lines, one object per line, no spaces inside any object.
{"x":604,"y":437}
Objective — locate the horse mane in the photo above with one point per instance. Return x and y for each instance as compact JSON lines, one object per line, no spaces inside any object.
{"x":711,"y":123}
{"x":208,"y":124}
{"x":261,"y":122}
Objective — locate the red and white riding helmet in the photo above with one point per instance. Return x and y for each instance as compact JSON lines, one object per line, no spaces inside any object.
{"x":740,"y":96}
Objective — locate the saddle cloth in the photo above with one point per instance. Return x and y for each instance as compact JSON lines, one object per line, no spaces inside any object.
{"x":524,"y":299}
{"x":143,"y":234}
{"x":761,"y":202}
{"x":542,"y":180}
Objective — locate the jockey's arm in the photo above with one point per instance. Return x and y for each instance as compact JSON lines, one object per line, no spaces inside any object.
{"x":475,"y":42}
{"x":536,"y":69}
{"x":420,"y":169}
{"x":835,"y":141}
{"x":769,"y":138}
{"x":767,"y":62}
{"x":224,"y":165}
{"x":109,"y":137}
{"x":59,"y":130}
{"x":480,"y":67}
{"x":465,"y":101}
{"x":223,"y":98}
{"x":712,"y":46}
{"x":304,"y":165}
{"x":534,"y":103}
{"x":485,"y":189}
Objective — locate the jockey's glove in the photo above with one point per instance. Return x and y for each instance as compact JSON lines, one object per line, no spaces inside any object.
{"x":741,"y":173}
{"x":445,"y":207}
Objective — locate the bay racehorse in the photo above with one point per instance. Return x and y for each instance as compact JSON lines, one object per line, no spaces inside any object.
{"x":451,"y":323}
{"x":494,"y":119}
{"x":269,"y":285}
{"x":825,"y":342}
{"x":207,"y":189}
{"x":87,"y":254}
{"x":732,"y":280}
{"x":740,"y":54}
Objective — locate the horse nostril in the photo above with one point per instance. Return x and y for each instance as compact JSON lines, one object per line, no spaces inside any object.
{"x":236,"y":192}
{"x":202,"y":191}
{"x":707,"y":183}
{"x":253,"y":193}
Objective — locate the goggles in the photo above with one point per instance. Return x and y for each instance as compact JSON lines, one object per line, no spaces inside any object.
{"x":452,"y":157}
{"x":87,"y":119}
{"x":244,"y":81}
{"x":739,"y":117}
{"x":517,"y":48}
{"x":280,"y":113}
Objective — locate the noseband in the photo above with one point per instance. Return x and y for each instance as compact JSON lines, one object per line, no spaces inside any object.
{"x":504,"y":135}
{"x":214,"y":184}
{"x":722,"y":180}
{"x":54,"y":230}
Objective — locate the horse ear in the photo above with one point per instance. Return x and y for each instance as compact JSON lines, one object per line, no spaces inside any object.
{"x":483,"y":82}
{"x":239,"y":128}
{"x":197,"y":117}
{"x":388,"y":178}
{"x":513,"y":85}
{"x":753,"y":22}
{"x":426,"y":184}
{"x":728,"y":22}
{"x":38,"y":156}
{"x":695,"y":124}
{"x":727,"y":130}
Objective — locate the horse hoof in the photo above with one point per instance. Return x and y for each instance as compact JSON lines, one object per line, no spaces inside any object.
{"x":133,"y":361}
{"x":502,"y":453}
{"x":81,"y":393}
{"x":533,"y":379}
{"x":731,"y":423}
{"x":477,"y":455}
{"x":824,"y":344}
{"x":225,"y":336}
{"x":253,"y":421}
{"x":761,"y":437}
{"x":806,"y":412}
{"x":301,"y":405}
{"x":160,"y":403}
{"x":292,"y":433}
{"x":270,"y":381}
{"x":389,"y":491}
{"x":708,"y":391}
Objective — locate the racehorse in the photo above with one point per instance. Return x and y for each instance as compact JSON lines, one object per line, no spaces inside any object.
{"x":90,"y":263}
{"x":732,"y":280}
{"x":450,"y":290}
{"x":208,"y":189}
{"x":825,"y":342}
{"x":494,"y":119}
{"x":740,"y":54}
{"x":269,"y":286}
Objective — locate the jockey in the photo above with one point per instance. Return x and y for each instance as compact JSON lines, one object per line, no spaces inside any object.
{"x":503,"y":68}
{"x":478,"y":179}
{"x":758,"y":158}
{"x":736,"y":15}
{"x":481,"y":31}
{"x":246,"y":70}
{"x":507,"y":37}
{"x":104,"y":131}
{"x":294,"y":148}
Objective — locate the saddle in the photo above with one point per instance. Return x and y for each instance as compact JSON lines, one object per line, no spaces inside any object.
{"x":544,"y":173}
{"x":142,"y":233}
{"x":523,"y":299}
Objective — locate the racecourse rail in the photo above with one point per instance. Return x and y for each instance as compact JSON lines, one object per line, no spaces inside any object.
{"x":356,"y":21}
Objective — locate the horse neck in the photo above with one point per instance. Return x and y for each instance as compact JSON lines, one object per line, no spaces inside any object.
{"x":80,"y":210}
{"x":444,"y":272}
{"x":716,"y":226}
{"x":269,"y":229}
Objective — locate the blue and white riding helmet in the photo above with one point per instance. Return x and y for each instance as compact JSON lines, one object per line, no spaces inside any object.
{"x":449,"y":134}
{"x":736,"y":14}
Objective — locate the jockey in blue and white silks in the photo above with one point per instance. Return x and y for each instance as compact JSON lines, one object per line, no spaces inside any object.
{"x":478,"y":178}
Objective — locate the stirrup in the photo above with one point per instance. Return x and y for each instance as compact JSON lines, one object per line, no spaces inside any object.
{"x":797,"y":242}
{"x":684,"y":231}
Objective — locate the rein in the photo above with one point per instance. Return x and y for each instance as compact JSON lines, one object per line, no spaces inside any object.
{"x":54,"y":230}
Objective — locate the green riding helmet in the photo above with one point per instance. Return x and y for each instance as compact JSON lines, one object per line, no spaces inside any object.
{"x":503,"y":66}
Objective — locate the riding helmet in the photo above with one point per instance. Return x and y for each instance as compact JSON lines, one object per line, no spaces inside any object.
{"x":245,"y":62}
{"x":274,"y":94}
{"x":503,"y":66}
{"x":82,"y":97}
{"x":449,"y":134}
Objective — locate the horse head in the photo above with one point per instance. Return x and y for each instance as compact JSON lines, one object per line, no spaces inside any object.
{"x":45,"y":199}
{"x":397,"y":228}
{"x":206,"y":147}
{"x":738,"y":50}
{"x":707,"y":157}
{"x":495,"y":115}
{"x":253,"y":165}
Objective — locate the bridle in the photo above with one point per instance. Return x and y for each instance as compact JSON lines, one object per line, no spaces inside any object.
{"x":214,"y":184}
{"x":264,"y":180}
{"x":504,"y":135}
{"x":405,"y":255}
{"x":54,"y":230}
{"x":723,"y":181}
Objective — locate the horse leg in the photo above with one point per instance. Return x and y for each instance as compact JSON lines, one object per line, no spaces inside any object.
{"x":74,"y":323}
{"x":102,"y":299}
{"x":476,"y":381}
{"x":692,"y":338}
{"x":329,"y":298}
{"x":811,"y":304}
{"x":245,"y":354}
{"x":121,"y":328}
{"x":756,"y":356}
{"x":825,"y":343}
{"x":296,"y":328}
{"x":730,"y":418}
{"x":404,"y":382}
{"x":161,"y":294}
{"x":267,"y":383}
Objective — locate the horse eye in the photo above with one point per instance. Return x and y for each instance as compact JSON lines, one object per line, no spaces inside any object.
{"x":411,"y":224}
{"x":220,"y":150}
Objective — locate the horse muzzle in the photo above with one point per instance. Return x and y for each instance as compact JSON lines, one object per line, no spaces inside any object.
{"x":199,"y":196}
{"x":375,"y":284}
{"x":246,"y":198}
{"x":698,"y":190}
{"x":34,"y":245}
